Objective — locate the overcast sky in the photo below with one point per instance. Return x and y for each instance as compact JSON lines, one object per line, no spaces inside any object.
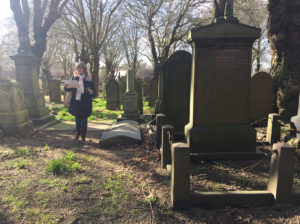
{"x":5,"y":11}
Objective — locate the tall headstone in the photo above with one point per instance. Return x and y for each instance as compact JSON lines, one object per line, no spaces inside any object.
{"x":27,"y":75}
{"x":54,"y":91}
{"x":112,"y":89}
{"x":139,"y":92}
{"x":130,"y":102}
{"x":145,"y":89}
{"x":175,"y":93}
{"x":14,"y":119}
{"x":261,"y":95}
{"x":220,"y":89}
{"x":153,"y":91}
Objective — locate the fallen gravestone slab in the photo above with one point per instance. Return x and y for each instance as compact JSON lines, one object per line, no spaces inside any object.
{"x":121,"y":133}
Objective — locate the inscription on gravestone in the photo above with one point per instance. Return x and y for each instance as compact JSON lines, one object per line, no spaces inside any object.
{"x":223,"y":87}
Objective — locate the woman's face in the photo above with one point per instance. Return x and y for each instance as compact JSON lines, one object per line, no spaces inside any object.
{"x":80,"y":70}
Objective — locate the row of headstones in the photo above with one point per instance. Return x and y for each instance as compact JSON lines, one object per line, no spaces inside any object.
{"x":114,"y":91}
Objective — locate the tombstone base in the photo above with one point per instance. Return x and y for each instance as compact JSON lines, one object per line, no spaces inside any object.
{"x":131,"y":117}
{"x":221,"y":138}
{"x":221,"y":156}
{"x":15,"y":123}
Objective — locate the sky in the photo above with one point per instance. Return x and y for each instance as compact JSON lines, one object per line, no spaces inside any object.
{"x":5,"y":11}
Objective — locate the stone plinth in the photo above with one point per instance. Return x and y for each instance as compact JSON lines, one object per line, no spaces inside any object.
{"x":220,"y":89}
{"x":14,"y":119}
{"x":282,"y":173}
{"x":26,"y":74}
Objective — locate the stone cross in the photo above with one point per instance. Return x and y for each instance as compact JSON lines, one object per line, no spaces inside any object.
{"x":223,"y":11}
{"x":130,"y":81}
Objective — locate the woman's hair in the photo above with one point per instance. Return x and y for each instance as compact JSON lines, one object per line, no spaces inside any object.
{"x":83,"y":66}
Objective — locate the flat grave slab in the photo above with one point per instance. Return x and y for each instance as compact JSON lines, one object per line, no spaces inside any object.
{"x":121,"y":133}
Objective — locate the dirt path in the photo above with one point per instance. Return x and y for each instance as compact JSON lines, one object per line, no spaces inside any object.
{"x":123,"y":184}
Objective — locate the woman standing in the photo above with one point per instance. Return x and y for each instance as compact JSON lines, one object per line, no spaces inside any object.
{"x":81,"y":100}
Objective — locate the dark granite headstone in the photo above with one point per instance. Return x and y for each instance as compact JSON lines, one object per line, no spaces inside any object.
{"x":139,"y":92}
{"x":112,"y":89}
{"x":153,"y":91}
{"x":261,"y":97}
{"x":175,"y":93}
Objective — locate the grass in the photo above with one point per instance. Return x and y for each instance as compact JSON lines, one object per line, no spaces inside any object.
{"x":66,"y":164}
{"x":115,"y":194}
{"x":99,"y":111}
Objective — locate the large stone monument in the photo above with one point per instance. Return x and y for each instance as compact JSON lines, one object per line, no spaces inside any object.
{"x":130,"y":101}
{"x":175,"y":85}
{"x":112,"y":89}
{"x":220,"y":88}
{"x":27,"y":75}
{"x":14,"y":119}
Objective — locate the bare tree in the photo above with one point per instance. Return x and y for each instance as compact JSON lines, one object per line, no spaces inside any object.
{"x":93,"y":22}
{"x":165,"y":23}
{"x":254,"y":12}
{"x":44,"y":13}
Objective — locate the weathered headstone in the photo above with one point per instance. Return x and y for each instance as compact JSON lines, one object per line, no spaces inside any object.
{"x":121,"y":133}
{"x":153,"y":91}
{"x":130,"y":101}
{"x":220,"y":89}
{"x":145,"y":89}
{"x":14,"y":119}
{"x":27,"y":75}
{"x":295,"y":121}
{"x":261,"y":95}
{"x":54,"y":91}
{"x":112,"y":89}
{"x":174,"y":101}
{"x":273,"y":130}
{"x":139,"y":92}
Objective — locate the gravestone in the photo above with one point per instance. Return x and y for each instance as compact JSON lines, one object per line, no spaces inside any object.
{"x":112,"y":89}
{"x":14,"y":119}
{"x":174,"y":101}
{"x":139,"y":92}
{"x":54,"y":91}
{"x":153,"y":91}
{"x":295,"y":121}
{"x":220,"y":90}
{"x":121,"y":133}
{"x":130,"y":100}
{"x":261,"y":95}
{"x":27,"y":75}
{"x":145,"y":89}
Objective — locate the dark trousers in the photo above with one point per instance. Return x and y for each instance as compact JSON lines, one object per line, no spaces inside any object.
{"x":81,"y":122}
{"x":81,"y":126}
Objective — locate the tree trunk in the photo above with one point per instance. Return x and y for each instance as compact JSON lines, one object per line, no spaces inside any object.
{"x":95,"y":72}
{"x":284,"y":38}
